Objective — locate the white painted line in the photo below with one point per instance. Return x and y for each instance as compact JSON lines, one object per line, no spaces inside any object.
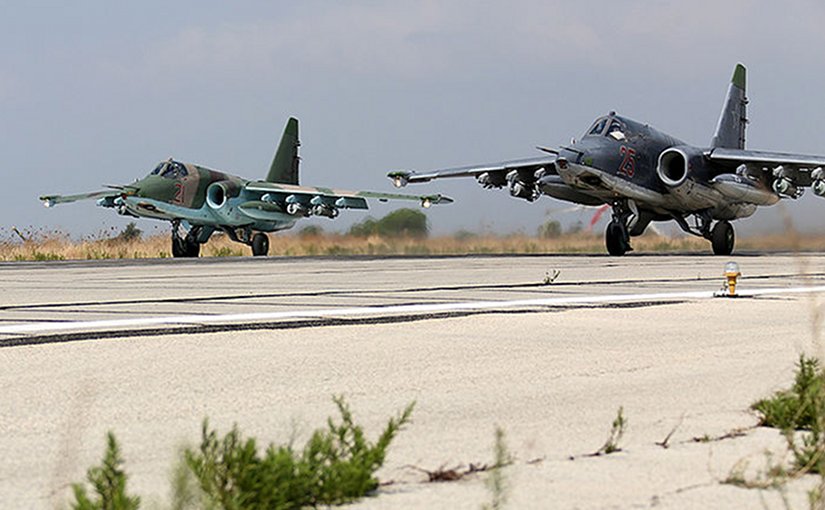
{"x":43,"y":327}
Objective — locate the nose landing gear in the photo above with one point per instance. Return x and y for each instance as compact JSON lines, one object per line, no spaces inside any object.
{"x":186,"y":245}
{"x":617,"y":233}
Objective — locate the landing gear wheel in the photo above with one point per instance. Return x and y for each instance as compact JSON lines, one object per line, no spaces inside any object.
{"x":615,"y":238}
{"x":260,"y":244}
{"x":178,"y":247}
{"x":722,"y":238}
{"x":185,"y":247}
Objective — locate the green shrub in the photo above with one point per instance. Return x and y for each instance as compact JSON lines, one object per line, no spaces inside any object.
{"x":404,"y":223}
{"x":798,"y":407}
{"x":311,"y":231}
{"x":399,"y":223}
{"x":364,"y":228}
{"x":129,"y":233}
{"x":109,"y":483}
{"x":550,"y":229}
{"x":337,"y":465}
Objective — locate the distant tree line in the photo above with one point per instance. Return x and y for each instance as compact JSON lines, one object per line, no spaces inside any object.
{"x":399,"y":223}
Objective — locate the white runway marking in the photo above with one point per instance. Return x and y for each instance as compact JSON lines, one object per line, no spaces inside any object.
{"x":44,"y":327}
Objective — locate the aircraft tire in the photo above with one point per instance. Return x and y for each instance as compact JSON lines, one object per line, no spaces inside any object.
{"x":260,"y":245}
{"x":614,"y":239}
{"x":722,"y":238}
{"x":193,"y":248}
{"x":178,"y":247}
{"x":183,"y":247}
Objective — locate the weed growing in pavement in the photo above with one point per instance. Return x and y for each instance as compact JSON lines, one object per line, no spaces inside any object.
{"x":109,"y":483}
{"x":186,"y":493}
{"x":617,"y":430}
{"x":337,"y":465}
{"x":796,"y":408}
{"x":550,"y":276}
{"x":799,"y":412}
{"x":496,"y":482}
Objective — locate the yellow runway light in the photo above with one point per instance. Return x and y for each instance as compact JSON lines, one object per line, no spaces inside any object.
{"x":732,"y":274}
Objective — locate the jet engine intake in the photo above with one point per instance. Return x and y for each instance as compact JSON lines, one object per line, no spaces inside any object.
{"x":673,"y":167}
{"x":686,"y":174}
{"x":219,"y":192}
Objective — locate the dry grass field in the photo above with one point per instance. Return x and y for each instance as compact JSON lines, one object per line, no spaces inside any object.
{"x":43,"y":246}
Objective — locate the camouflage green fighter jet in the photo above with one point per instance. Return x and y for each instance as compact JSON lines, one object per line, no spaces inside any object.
{"x":199,"y":201}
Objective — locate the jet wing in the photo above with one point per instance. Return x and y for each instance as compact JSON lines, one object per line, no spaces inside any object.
{"x":496,"y":172}
{"x":798,"y":166}
{"x":766,"y":158}
{"x":52,"y":200}
{"x":331,"y":197}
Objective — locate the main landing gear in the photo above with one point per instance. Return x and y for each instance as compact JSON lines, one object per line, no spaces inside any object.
{"x":258,"y":241}
{"x":721,"y":235}
{"x":722,"y":238}
{"x":260,"y":244}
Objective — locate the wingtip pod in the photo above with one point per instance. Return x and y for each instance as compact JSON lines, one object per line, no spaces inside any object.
{"x":430,"y":200}
{"x":399,"y":178}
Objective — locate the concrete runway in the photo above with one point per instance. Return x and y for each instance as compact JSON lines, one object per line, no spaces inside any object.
{"x":149,"y":348}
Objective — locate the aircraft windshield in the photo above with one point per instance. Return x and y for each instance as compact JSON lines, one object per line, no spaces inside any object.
{"x":598,"y":126}
{"x":616,"y":130}
{"x":170,"y":170}
{"x":610,"y":126}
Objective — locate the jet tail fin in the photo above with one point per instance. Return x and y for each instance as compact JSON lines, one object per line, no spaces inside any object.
{"x":730,"y":131}
{"x":284,"y":168}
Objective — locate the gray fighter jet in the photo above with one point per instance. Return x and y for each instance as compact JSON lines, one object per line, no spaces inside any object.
{"x":646,"y":175}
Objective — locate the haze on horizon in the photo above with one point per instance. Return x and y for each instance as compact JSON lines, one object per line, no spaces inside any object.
{"x":95,"y":92}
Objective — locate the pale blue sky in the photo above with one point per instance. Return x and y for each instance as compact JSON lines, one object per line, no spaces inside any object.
{"x":96,"y":92}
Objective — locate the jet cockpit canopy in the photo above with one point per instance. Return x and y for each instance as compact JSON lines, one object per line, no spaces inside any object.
{"x":170,"y":169}
{"x":609,"y":125}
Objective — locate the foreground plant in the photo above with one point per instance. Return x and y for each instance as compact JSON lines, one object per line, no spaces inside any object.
{"x":617,"y":430}
{"x":109,"y":483}
{"x":337,"y":465}
{"x":496,"y":482}
{"x":799,"y":412}
{"x":796,"y":408}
